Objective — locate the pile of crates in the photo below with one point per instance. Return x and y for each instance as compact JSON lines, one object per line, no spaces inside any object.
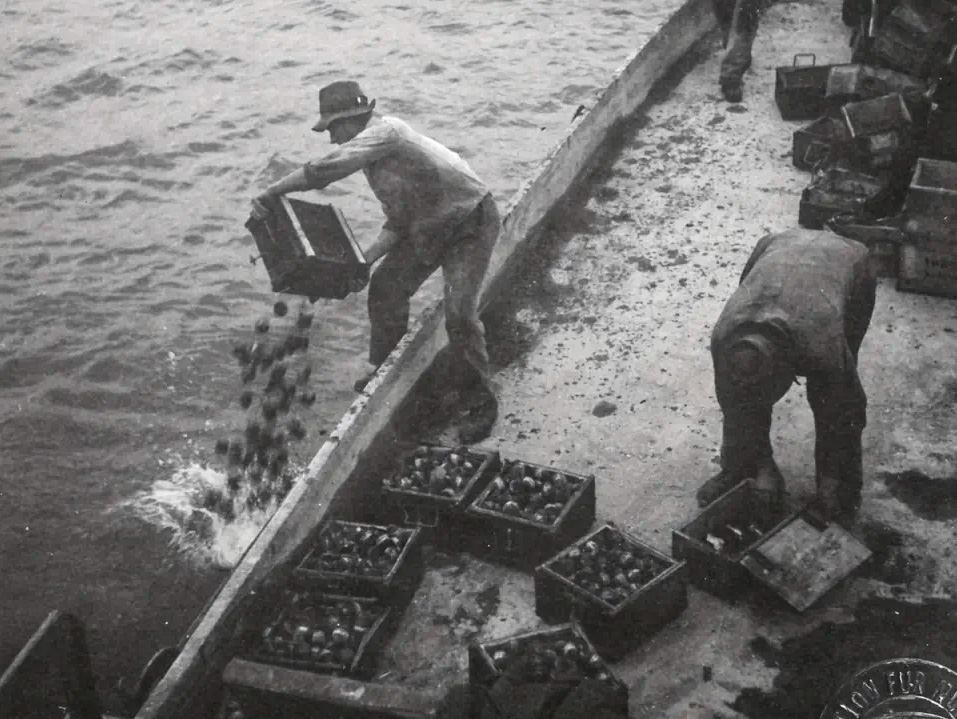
{"x":881,"y":140}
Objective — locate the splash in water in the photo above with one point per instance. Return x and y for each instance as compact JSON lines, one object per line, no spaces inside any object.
{"x":215,"y":515}
{"x":207,"y":523}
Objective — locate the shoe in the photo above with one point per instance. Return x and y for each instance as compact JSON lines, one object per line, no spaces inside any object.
{"x":714,"y":488}
{"x":732,"y":91}
{"x":477,"y":419}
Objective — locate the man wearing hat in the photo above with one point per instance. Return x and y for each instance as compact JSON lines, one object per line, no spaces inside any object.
{"x":802,"y":309}
{"x":438,"y":214}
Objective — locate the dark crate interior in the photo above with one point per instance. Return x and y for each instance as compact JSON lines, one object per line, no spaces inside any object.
{"x":326,"y":230}
{"x":521,"y":488}
{"x":736,"y":509}
{"x":609,"y":566}
{"x":350,"y":550}
{"x":319,"y":632}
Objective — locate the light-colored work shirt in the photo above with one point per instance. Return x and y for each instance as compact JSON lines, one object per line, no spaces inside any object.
{"x":426,"y":190}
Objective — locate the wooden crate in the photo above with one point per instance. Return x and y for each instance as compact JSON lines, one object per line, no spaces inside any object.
{"x":308,"y":249}
{"x":442,"y":518}
{"x":615,"y":629}
{"x":483,"y":671}
{"x":797,"y":559}
{"x":396,"y":587}
{"x":930,"y":266}
{"x":524,"y":543}
{"x":720,"y":574}
{"x":362,"y":664}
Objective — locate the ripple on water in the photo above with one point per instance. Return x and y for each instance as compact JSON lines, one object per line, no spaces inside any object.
{"x":90,"y":82}
{"x":37,"y":54}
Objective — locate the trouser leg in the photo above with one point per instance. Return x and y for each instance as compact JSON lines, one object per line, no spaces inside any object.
{"x":740,"y":32}
{"x":747,"y":397}
{"x":860,"y":308}
{"x":840,"y":415}
{"x":463,"y":269}
{"x":391,"y":286}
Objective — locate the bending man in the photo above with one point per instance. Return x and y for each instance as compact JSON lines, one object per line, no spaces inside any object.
{"x":438,"y":214}
{"x":802,"y":309}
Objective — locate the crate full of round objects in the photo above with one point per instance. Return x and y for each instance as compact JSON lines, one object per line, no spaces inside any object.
{"x":620,"y":589}
{"x":549,"y":654}
{"x":735,"y":543}
{"x":365,"y":560}
{"x":528,"y":512}
{"x":433,"y":485}
{"x":323,"y":633}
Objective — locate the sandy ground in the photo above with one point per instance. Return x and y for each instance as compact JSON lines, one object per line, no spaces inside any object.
{"x":620,"y":310}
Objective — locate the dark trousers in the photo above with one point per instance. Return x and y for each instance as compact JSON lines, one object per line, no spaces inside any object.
{"x":837,"y":400}
{"x":739,"y":38}
{"x":464,"y":264}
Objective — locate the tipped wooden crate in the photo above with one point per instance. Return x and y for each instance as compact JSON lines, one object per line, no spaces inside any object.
{"x":308,"y":249}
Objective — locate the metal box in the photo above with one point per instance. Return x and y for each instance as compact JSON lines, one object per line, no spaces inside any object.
{"x":484,"y":670}
{"x":799,"y":89}
{"x":308,"y":249}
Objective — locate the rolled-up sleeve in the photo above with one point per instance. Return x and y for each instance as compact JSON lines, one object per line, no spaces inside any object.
{"x":368,"y":146}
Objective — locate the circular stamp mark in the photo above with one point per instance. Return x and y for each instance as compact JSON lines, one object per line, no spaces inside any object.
{"x":899,"y":688}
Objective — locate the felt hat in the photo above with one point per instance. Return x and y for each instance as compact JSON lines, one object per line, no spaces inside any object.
{"x":339,"y":100}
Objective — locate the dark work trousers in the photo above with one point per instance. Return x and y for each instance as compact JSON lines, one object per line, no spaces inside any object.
{"x":464,"y":264}
{"x":740,"y":38}
{"x":837,"y":400}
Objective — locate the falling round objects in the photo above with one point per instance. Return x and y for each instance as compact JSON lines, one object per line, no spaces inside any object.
{"x":280,"y":309}
{"x":297,"y":430}
{"x":305,"y":321}
{"x":269,"y":411}
{"x":262,"y":325}
{"x":246,"y":399}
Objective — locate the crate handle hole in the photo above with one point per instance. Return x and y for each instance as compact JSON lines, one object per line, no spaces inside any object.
{"x":805,"y":54}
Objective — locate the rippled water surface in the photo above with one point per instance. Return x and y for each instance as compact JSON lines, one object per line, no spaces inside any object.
{"x":132,"y":136}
